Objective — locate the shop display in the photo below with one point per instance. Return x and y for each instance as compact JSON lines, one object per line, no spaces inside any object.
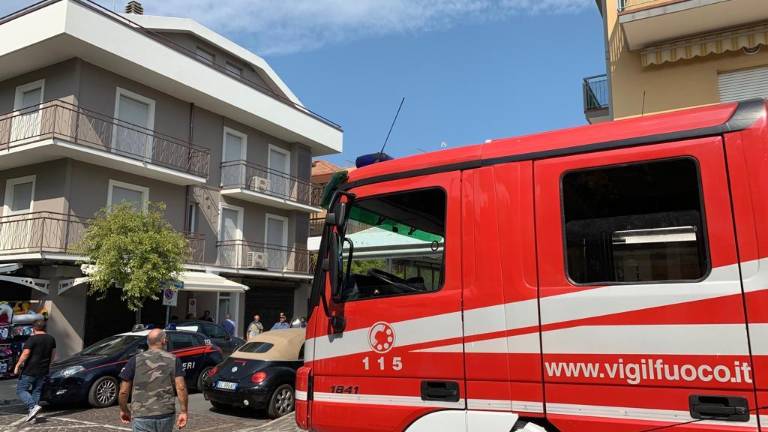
{"x":15,"y":329}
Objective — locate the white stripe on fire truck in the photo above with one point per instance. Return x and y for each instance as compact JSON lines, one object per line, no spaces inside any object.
{"x":301,"y":395}
{"x":505,"y":405}
{"x":389,"y":400}
{"x":675,"y":339}
{"x":607,"y":300}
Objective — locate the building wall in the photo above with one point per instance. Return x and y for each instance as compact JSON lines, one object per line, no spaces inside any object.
{"x":90,"y":185}
{"x":50,"y":185}
{"x":60,"y":83}
{"x":637,"y":90}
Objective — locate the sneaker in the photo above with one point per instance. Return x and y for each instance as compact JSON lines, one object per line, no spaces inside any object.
{"x":33,"y":413}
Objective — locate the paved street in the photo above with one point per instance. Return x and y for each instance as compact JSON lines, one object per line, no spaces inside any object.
{"x":202,"y":418}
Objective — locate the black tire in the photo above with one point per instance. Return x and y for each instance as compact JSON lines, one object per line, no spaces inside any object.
{"x":282,"y":401}
{"x":103,"y":392}
{"x":201,"y":378}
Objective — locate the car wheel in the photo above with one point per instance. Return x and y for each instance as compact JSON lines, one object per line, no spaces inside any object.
{"x":103,"y":392}
{"x":201,"y":378}
{"x":281,"y":402}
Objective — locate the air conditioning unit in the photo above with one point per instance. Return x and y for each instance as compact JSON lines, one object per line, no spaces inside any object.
{"x":260,"y":184}
{"x":256,"y":259}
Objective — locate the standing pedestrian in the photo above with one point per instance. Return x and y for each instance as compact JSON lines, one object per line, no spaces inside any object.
{"x":229,"y":324}
{"x":282,"y":323}
{"x":206,"y":316}
{"x":33,"y":367}
{"x":152,"y":377}
{"x":255,"y":328}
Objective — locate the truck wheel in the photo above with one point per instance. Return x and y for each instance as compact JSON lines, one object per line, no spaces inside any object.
{"x":281,"y":402}
{"x":201,"y":379}
{"x":103,"y":392}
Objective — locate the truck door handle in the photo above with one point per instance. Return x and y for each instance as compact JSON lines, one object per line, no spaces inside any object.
{"x":727,"y":408}
{"x":446,"y":391}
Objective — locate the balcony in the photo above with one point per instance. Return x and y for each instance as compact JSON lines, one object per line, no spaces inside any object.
{"x":649,"y":22}
{"x":57,"y":130}
{"x":55,"y":236}
{"x":262,"y":185}
{"x":260,"y":257}
{"x":596,"y":99}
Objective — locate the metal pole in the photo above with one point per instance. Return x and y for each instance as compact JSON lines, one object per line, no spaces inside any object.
{"x":167,"y":315}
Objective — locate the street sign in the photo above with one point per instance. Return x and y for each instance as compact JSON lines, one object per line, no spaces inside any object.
{"x":171,"y":293}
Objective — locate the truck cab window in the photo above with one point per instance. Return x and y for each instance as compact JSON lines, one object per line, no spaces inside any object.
{"x":639,"y":222}
{"x":397,"y":244}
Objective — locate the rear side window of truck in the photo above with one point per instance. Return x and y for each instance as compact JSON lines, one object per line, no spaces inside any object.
{"x":397,"y":244}
{"x":635,"y":223}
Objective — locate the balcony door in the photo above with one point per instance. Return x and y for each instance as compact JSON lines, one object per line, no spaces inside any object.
{"x":230,"y":235}
{"x":234,"y":149}
{"x":17,"y":231}
{"x":279,"y":162}
{"x":277,"y":242}
{"x":132,"y":133}
{"x":26,"y":121}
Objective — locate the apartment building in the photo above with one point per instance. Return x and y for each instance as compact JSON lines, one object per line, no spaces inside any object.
{"x":103,"y":108}
{"x":664,"y":55}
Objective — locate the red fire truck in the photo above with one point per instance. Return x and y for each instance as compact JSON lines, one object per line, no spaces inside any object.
{"x":608,"y":278}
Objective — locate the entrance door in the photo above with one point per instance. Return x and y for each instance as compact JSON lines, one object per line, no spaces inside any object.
{"x":230,"y":236}
{"x":234,"y":151}
{"x":277,"y":242}
{"x":26,"y":122}
{"x":132,"y":135}
{"x":400,"y":354}
{"x":279,"y":162}
{"x":642,"y":318}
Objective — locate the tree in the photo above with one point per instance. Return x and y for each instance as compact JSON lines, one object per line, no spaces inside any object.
{"x":137,"y":251}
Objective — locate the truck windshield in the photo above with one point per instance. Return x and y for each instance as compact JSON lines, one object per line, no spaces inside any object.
{"x":396,"y":243}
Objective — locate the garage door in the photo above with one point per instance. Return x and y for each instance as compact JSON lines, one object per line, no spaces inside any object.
{"x":268,"y":301}
{"x":743,"y":84}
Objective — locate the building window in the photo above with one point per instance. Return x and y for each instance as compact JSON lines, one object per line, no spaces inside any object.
{"x":29,"y":95}
{"x":19,"y":195}
{"x":27,"y":121}
{"x":233,"y":69}
{"x":633,"y":223}
{"x":192,"y":217}
{"x":235,"y":145}
{"x":119,"y":193}
{"x":205,"y":55}
{"x":133,"y":110}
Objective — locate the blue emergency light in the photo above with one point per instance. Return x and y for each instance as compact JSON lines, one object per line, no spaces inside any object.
{"x":371,"y":158}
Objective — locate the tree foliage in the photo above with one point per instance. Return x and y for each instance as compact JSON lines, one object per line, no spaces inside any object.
{"x":137,"y":251}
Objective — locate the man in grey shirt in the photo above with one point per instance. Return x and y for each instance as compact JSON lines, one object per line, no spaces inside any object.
{"x":152,"y":376}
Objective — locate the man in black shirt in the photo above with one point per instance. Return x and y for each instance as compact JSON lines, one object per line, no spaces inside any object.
{"x":33,"y":367}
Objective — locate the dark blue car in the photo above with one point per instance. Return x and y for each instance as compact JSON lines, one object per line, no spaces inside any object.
{"x":92,"y":375}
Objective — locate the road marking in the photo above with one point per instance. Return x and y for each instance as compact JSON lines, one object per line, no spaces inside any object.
{"x":87,"y":423}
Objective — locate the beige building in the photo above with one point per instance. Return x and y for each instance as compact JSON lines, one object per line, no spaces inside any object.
{"x":664,"y":55}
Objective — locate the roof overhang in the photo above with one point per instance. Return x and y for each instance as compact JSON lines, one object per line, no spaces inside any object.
{"x":65,"y":29}
{"x":660,"y":21}
{"x":209,"y":282}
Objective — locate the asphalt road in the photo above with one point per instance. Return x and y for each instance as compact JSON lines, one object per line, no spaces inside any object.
{"x":202,"y":418}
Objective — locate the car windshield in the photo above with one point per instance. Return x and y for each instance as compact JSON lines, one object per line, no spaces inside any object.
{"x":256,"y":347}
{"x":111,"y":345}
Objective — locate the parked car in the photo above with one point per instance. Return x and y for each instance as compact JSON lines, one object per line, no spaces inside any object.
{"x":92,"y":375}
{"x":214,"y":332}
{"x":259,"y":375}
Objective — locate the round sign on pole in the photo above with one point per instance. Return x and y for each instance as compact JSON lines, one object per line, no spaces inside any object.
{"x":170,"y":296}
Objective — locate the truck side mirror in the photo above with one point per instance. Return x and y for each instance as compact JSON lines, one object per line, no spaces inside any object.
{"x":336,"y":218}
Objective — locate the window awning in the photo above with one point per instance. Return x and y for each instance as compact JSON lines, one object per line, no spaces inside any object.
{"x":209,"y":282}
{"x":717,"y":43}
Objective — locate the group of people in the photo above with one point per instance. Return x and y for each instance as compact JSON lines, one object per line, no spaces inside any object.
{"x":152,"y":379}
{"x":256,"y":327}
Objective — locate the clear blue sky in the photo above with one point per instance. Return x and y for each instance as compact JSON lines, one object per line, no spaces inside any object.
{"x":470,"y":70}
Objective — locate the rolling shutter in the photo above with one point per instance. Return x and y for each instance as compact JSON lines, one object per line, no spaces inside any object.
{"x":743,"y":84}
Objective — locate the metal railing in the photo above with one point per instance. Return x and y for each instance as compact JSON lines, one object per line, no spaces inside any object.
{"x":242,"y":254}
{"x":79,"y":126}
{"x":50,"y":232}
{"x":595,"y":90}
{"x":316,"y":225}
{"x":158,"y":37}
{"x":257,"y":178}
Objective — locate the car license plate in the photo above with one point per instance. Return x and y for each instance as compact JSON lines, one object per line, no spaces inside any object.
{"x":224,"y":385}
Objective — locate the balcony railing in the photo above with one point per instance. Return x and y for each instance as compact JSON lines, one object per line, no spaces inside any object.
{"x":93,"y":130}
{"x":629,"y":4}
{"x":595,"y":93}
{"x":49,"y":232}
{"x":256,"y":178}
{"x":242,"y":254}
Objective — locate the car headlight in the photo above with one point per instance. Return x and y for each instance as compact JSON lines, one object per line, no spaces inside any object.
{"x":67,"y":372}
